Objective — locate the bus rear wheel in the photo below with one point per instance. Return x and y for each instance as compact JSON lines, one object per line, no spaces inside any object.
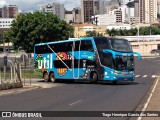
{"x":52,"y":77}
{"x":94,"y":78}
{"x":46,"y":77}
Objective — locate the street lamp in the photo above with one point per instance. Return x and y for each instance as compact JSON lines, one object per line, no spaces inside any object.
{"x":3,"y":44}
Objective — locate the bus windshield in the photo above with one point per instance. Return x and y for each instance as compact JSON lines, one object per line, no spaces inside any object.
{"x":120,"y":45}
{"x":123,"y":63}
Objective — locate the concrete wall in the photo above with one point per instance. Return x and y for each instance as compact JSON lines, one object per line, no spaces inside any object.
{"x":144,"y":46}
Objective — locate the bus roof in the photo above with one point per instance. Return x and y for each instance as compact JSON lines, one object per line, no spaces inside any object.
{"x":76,"y":39}
{"x":70,"y":40}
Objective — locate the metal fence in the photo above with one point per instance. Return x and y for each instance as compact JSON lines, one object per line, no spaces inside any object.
{"x":15,"y":68}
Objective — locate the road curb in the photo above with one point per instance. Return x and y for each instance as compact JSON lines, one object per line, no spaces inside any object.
{"x":146,"y":99}
{"x":19,"y":90}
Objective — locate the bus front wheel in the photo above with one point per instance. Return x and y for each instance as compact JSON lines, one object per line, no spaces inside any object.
{"x":46,"y":77}
{"x":52,"y":77}
{"x":94,"y":78}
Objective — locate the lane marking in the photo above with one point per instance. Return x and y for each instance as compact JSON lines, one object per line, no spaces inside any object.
{"x":137,"y":75}
{"x":145,"y":75}
{"x":76,"y":102}
{"x":146,"y":104}
{"x":153,"y":76}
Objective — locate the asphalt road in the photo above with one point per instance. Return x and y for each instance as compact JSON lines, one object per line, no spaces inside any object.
{"x":82,"y":96}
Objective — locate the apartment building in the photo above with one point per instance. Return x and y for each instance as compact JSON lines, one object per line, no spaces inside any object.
{"x":88,"y":9}
{"x":10,"y":11}
{"x":148,"y":11}
{"x":118,"y":14}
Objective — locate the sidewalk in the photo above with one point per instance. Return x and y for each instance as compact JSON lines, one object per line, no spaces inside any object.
{"x":19,"y":90}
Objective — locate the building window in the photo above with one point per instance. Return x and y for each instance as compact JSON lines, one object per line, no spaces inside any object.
{"x":135,"y":46}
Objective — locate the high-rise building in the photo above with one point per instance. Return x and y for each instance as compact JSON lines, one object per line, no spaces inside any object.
{"x":76,"y":15}
{"x":59,"y":10}
{"x":118,"y":14}
{"x":13,"y":11}
{"x":55,"y":8}
{"x":158,"y":7}
{"x":148,"y":11}
{"x":102,"y":6}
{"x":110,"y":5}
{"x":136,"y":8}
{"x":10,"y":11}
{"x":89,"y":8}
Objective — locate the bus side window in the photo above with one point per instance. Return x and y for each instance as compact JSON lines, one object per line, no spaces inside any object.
{"x":86,"y":45}
{"x":42,"y":49}
{"x":106,"y":59}
{"x":62,"y":47}
{"x":77,"y":46}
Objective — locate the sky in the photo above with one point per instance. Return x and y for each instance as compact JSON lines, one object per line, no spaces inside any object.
{"x":32,"y":5}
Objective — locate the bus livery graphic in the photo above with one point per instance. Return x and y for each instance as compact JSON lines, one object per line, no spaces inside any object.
{"x":63,"y":56}
{"x":98,"y":58}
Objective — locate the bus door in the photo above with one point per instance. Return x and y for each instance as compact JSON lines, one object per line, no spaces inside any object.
{"x":76,"y":49}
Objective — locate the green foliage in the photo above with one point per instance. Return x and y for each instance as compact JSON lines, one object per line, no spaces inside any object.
{"x":32,"y":28}
{"x":134,"y":31}
{"x":93,"y":34}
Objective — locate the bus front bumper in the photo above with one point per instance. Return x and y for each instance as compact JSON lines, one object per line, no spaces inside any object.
{"x":120,"y":78}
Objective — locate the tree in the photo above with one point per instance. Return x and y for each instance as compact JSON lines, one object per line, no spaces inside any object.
{"x":32,"y":28}
{"x":91,"y":33}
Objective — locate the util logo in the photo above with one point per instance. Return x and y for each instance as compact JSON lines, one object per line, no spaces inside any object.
{"x":45,"y":62}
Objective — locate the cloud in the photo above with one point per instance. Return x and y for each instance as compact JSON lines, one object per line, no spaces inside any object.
{"x":2,"y":2}
{"x":32,"y":5}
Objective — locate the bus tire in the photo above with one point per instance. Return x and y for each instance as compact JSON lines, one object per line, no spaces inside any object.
{"x":94,"y":77}
{"x":52,"y":77}
{"x":46,"y":77}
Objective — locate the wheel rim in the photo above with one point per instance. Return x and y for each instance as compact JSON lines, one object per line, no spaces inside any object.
{"x":46,"y":77}
{"x":94,"y":78}
{"x":52,"y":77}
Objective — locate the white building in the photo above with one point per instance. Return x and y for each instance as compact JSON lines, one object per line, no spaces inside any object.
{"x":55,"y":8}
{"x":6,"y":22}
{"x":119,"y":26}
{"x":104,"y":19}
{"x":46,"y":8}
{"x":124,"y":2}
{"x":123,"y":8}
{"x":88,"y":28}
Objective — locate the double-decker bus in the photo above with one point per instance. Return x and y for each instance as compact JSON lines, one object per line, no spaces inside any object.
{"x":91,"y":58}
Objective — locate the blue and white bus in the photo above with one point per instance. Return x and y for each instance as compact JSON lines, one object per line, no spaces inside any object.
{"x":93,"y":59}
